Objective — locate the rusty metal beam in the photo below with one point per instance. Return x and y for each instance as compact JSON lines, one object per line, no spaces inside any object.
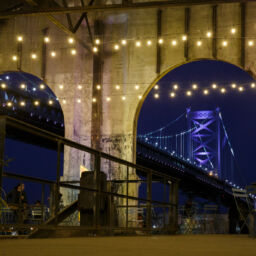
{"x":115,"y":7}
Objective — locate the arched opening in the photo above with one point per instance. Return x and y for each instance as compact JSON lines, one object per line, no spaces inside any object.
{"x":209,"y":87}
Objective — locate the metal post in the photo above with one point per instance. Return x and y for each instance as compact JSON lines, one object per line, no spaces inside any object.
{"x":57,"y":190}
{"x":149,"y":197}
{"x":97,"y":182}
{"x":127,"y":193}
{"x":2,"y":144}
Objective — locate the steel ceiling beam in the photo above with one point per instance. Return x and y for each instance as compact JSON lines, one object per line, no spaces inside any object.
{"x":115,"y":7}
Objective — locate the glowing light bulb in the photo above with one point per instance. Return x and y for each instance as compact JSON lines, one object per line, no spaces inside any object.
{"x":156,"y":95}
{"x":206,"y":92}
{"x":61,"y":86}
{"x":123,"y":98}
{"x":36,"y":103}
{"x":98,"y":87}
{"x":116,"y":47}
{"x":233,"y":86}
{"x":9,"y":104}
{"x":117,"y":87}
{"x":14,"y":58}
{"x":250,"y":43}
{"x":42,"y":86}
{"x":50,"y":102}
{"x":160,"y":41}
{"x":137,"y":87}
{"x":78,"y":101}
{"x":199,"y":43}
{"x":64,"y":101}
{"x":188,"y":93}
{"x":194,"y":86}
{"x":46,"y":39}
{"x":123,"y":42}
{"x":184,"y":38}
{"x":108,"y":99}
{"x":138,"y":44}
{"x":22,"y":86}
{"x":233,"y":30}
{"x":156,"y":87}
{"x":73,"y":51}
{"x":22,"y":103}
{"x":241,"y":89}
{"x":94,"y":100}
{"x":149,"y":42}
{"x":71,"y":40}
{"x":79,"y":87}
{"x":97,"y":41}
{"x":172,"y":94}
{"x":139,"y":97}
{"x":175,"y":87}
{"x":95,"y":49}
{"x":174,"y":42}
{"x":53,"y":54}
{"x":33,"y":56}
{"x":209,"y":34}
{"x":3,"y":85}
{"x":223,"y":90}
{"x":252,"y":85}
{"x":224,"y":43}
{"x":19,"y":38}
{"x":214,"y":86}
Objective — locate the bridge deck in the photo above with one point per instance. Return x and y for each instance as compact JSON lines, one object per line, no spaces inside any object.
{"x":198,"y":245}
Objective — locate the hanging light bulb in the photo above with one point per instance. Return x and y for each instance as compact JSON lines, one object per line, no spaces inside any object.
{"x":41,"y":86}
{"x":61,"y":86}
{"x":240,"y":89}
{"x":174,"y":42}
{"x":108,"y":99}
{"x":223,"y":90}
{"x":250,"y":43}
{"x":71,"y":40}
{"x":3,"y":85}
{"x":116,"y":47}
{"x":78,"y":101}
{"x":206,"y":92}
{"x":252,"y":85}
{"x":97,"y":41}
{"x":172,"y":94}
{"x":199,"y":43}
{"x":188,"y":93}
{"x":233,"y":86}
{"x":137,"y":87}
{"x":19,"y":38}
{"x":22,"y":86}
{"x":98,"y":87}
{"x":209,"y":34}
{"x":95,"y":49}
{"x":14,"y":58}
{"x":175,"y":87}
{"x":184,"y":38}
{"x":117,"y":87}
{"x":50,"y":102}
{"x":33,"y":56}
{"x":36,"y":103}
{"x":156,"y":95}
{"x":139,"y":97}
{"x":79,"y":87}
{"x":46,"y":39}
{"x":53,"y":54}
{"x":9,"y":104}
{"x":73,"y":51}
{"x":123,"y":42}
{"x":94,"y":100}
{"x":138,"y":44}
{"x":214,"y":86}
{"x":233,"y":30}
{"x":64,"y":101}
{"x":23,"y":103}
{"x":156,"y":87}
{"x":161,"y":40}
{"x":194,"y":86}
{"x":123,"y":98}
{"x":224,"y":43}
{"x":149,"y":42}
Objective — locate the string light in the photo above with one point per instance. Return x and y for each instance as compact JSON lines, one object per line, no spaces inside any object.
{"x":123,"y":98}
{"x":50,"y":102}
{"x":79,"y":87}
{"x":233,"y":30}
{"x":149,"y":42}
{"x":94,"y":99}
{"x":64,"y":101}
{"x":14,"y":58}
{"x":175,"y":87}
{"x":172,"y":94}
{"x":71,"y":40}
{"x":137,"y":87}
{"x":22,"y":86}
{"x":98,"y":87}
{"x":73,"y":51}
{"x":97,"y":41}
{"x":156,"y":95}
{"x":3,"y":85}
{"x":53,"y":54}
{"x":160,"y":41}
{"x":223,"y":90}
{"x":138,"y":44}
{"x":174,"y":42}
{"x":241,"y":89}
{"x":9,"y":104}
{"x":233,"y":86}
{"x":206,"y":92}
{"x":140,"y":97}
{"x":252,"y":85}
{"x":19,"y":38}
{"x":156,"y":87}
{"x":108,"y":99}
{"x":250,"y":43}
{"x":42,"y":86}
{"x":199,"y":43}
{"x":224,"y":43}
{"x":214,"y":86}
{"x":209,"y":34}
{"x":46,"y":39}
{"x":33,"y":56}
{"x":194,"y":86}
{"x":22,"y":103}
{"x":61,"y":86}
{"x":36,"y":103}
{"x":116,"y":47}
{"x":95,"y":49}
{"x":117,"y":87}
{"x":184,"y":38}
{"x":188,"y":93}
{"x":123,"y":42}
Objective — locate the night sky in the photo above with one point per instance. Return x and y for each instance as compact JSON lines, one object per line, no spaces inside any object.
{"x":238,"y":108}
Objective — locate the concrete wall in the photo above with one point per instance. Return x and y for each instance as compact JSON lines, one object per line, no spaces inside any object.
{"x":127,"y":67}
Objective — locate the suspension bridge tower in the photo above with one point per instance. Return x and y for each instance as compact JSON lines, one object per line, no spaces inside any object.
{"x":204,"y":140}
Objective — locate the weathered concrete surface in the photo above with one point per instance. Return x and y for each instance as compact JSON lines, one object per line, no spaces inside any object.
{"x":194,"y":245}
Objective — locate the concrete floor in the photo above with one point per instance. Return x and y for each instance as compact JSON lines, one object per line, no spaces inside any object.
{"x":182,"y":245}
